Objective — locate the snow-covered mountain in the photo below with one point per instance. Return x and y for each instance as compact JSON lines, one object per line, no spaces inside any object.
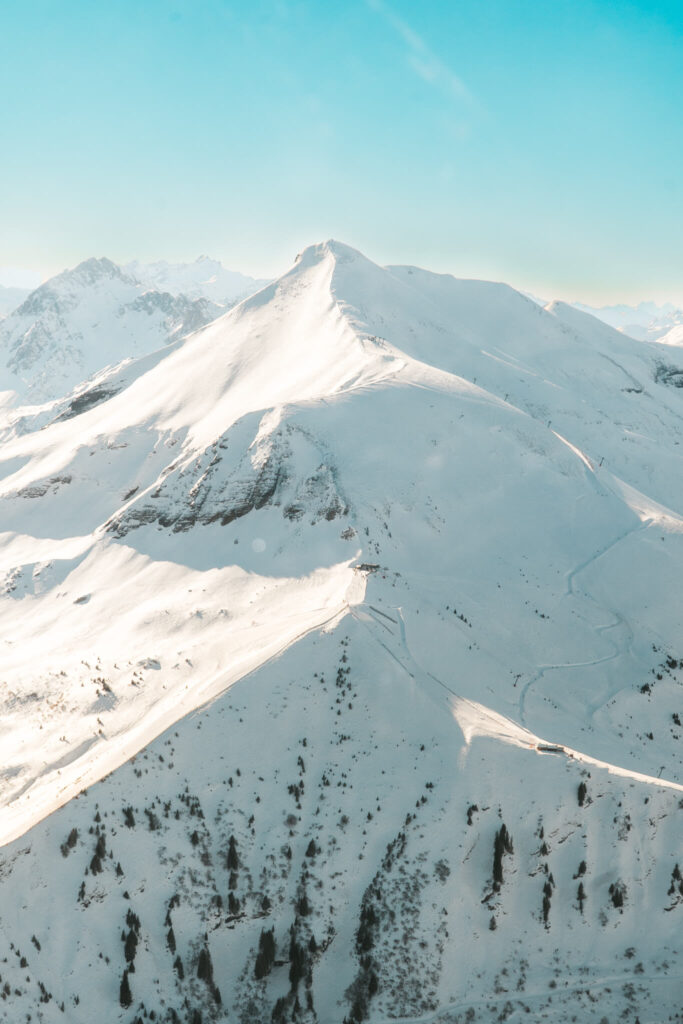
{"x":342,"y":671}
{"x":647,"y":321}
{"x":203,"y":279}
{"x":84,"y":319}
{"x":674,"y":336}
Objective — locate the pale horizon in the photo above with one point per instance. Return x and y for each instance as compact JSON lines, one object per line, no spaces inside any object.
{"x":31,"y":278}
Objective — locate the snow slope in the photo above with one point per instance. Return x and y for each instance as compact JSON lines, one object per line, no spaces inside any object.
{"x":417,"y":541}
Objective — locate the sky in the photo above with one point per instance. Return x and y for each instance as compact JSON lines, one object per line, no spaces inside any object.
{"x":531,"y":142}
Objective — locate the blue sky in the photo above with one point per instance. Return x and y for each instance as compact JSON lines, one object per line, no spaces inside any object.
{"x":537,"y":143}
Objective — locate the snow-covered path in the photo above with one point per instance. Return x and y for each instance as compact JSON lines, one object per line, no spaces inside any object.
{"x":475,"y":719}
{"x":621,"y":646}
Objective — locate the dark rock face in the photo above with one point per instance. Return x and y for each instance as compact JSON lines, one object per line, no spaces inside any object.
{"x":670,"y":375}
{"x":213,"y":488}
{"x":87,"y":400}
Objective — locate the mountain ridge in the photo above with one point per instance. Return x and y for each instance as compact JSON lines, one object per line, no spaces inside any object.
{"x":360,"y":598}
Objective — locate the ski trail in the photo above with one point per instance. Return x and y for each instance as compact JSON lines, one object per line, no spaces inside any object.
{"x":620,"y":621}
{"x":582,"y":566}
{"x":472,"y":718}
{"x":476,"y":719}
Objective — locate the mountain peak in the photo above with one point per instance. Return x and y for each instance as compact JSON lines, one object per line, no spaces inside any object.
{"x":97,"y":263}
{"x":96,"y":268}
{"x":71,"y":285}
{"x":320,"y":251}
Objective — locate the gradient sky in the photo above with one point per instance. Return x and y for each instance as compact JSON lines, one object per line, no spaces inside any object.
{"x":538,"y":143}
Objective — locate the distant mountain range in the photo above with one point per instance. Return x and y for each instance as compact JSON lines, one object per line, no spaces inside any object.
{"x":203,"y":279}
{"x":646,"y":322}
{"x":342,"y":671}
{"x":99,"y":313}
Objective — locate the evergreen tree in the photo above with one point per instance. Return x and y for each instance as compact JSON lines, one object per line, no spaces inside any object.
{"x":297,"y":962}
{"x":266,"y":954}
{"x":502,"y":844}
{"x":125,"y":994}
{"x":233,"y":859}
{"x":131,"y":946}
{"x":205,"y":967}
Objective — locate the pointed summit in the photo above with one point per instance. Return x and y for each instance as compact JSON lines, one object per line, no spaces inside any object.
{"x":97,"y":265}
{"x":92,"y":270}
{"x":320,"y":251}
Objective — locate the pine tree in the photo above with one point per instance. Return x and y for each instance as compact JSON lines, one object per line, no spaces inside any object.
{"x":266,"y":954}
{"x":297,"y":962}
{"x":131,"y":946}
{"x":303,"y":907}
{"x":233,"y":859}
{"x":205,"y":967}
{"x":547,"y":893}
{"x":125,"y":994}
{"x":502,"y":844}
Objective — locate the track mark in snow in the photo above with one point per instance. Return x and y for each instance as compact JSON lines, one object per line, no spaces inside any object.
{"x":619,"y":649}
{"x":476,"y":719}
{"x":571,"y":576}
